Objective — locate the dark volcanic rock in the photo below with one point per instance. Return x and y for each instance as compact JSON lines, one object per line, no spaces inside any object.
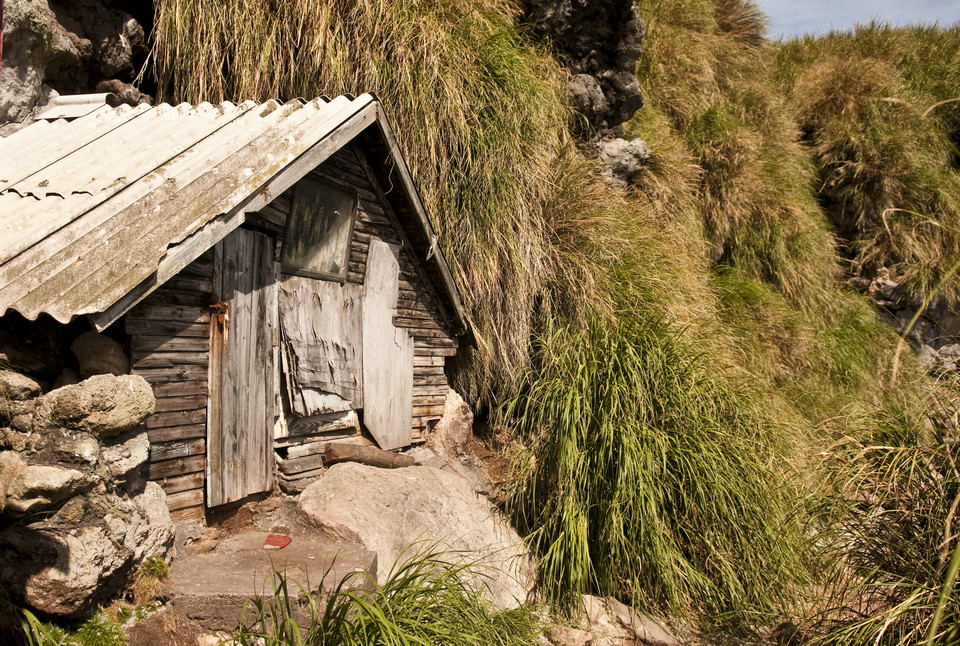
{"x":600,"y":42}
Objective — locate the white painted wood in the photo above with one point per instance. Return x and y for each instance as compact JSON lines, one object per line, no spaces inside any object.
{"x":387,"y":353}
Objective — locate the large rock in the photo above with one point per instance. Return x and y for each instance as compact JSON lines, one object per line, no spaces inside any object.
{"x":64,"y":569}
{"x":98,"y":354}
{"x":601,"y":41}
{"x":448,"y":446}
{"x":123,"y":458}
{"x":103,"y":405}
{"x":394,"y":511}
{"x":38,"y":486}
{"x":34,"y":44}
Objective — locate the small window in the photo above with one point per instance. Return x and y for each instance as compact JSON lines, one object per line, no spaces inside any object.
{"x":317,"y":240}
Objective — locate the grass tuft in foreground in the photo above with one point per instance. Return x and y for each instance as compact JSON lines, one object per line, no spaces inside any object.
{"x":426,"y":599}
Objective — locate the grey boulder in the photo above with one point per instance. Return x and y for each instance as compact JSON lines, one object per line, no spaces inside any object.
{"x":397,"y":512}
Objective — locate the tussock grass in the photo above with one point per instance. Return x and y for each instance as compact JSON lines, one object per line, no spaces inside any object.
{"x":877,"y":107}
{"x":895,"y":535}
{"x":426,"y":599}
{"x":649,"y":478}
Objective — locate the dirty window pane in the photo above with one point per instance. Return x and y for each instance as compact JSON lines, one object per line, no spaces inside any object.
{"x":317,"y":239}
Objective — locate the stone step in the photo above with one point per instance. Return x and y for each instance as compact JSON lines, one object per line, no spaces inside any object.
{"x":212,"y":588}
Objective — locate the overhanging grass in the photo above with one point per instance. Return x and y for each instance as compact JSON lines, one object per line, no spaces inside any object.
{"x":649,"y":478}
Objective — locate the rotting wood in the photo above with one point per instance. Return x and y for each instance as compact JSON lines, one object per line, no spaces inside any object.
{"x":306,"y":463}
{"x":181,"y":449}
{"x":152,"y":312}
{"x":176,"y":467}
{"x":166,"y":343}
{"x":167,"y":374}
{"x":182,"y":403}
{"x":240,"y":431}
{"x":326,"y":423}
{"x":141,"y":327}
{"x":369,"y":455}
{"x":174,"y":433}
{"x":187,"y":515}
{"x":184,"y":499}
{"x":168,"y":359}
{"x":321,"y":325}
{"x":180,"y":388}
{"x":176,"y":418}
{"x":423,"y":350}
{"x":174,"y":484}
{"x":387,"y":353}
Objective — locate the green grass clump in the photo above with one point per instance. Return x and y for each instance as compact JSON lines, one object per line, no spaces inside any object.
{"x":426,"y":599}
{"x":898,"y":551}
{"x":646,"y":479}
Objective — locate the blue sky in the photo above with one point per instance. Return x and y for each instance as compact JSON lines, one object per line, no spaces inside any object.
{"x":790,"y":18}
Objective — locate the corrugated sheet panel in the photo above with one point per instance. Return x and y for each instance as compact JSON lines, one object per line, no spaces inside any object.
{"x":89,"y":207}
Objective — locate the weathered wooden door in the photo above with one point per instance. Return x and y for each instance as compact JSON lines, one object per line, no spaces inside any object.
{"x":387,"y":353}
{"x":241,"y":416}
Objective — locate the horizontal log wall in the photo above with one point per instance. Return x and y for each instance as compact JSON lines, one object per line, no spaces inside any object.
{"x":170,"y":348}
{"x":416,"y":309}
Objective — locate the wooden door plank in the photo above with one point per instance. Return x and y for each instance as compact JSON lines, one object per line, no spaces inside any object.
{"x":240,"y":437}
{"x":387,"y":353}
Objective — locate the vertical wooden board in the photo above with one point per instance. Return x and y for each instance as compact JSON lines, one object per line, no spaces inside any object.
{"x":240,"y":435}
{"x":387,"y":353}
{"x":321,"y":323}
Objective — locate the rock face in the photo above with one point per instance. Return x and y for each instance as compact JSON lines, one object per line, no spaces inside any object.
{"x":103,"y":405}
{"x":63,"y":567}
{"x":390,"y":510}
{"x":68,"y":47}
{"x":607,"y":622}
{"x":448,"y":446}
{"x":77,"y":514}
{"x":601,"y":42}
{"x":39,"y":486}
{"x":622,"y":159}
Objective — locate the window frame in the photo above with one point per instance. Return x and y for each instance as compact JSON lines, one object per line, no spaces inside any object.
{"x":355,"y":206}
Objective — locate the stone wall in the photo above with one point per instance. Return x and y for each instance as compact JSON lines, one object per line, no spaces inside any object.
{"x":77,"y":515}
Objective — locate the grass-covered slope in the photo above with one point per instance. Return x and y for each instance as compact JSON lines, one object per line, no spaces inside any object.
{"x":680,"y":357}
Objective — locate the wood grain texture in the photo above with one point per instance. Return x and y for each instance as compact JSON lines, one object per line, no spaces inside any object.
{"x":240,"y":431}
{"x":387,"y":353}
{"x":321,"y":324}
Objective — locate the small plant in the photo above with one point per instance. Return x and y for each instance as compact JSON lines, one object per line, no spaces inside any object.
{"x":426,"y":599}
{"x":148,"y":582}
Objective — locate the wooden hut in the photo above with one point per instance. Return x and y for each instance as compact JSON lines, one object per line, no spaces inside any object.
{"x":271,"y":265}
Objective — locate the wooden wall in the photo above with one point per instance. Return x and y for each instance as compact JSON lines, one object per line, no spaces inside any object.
{"x":170,"y":347}
{"x":416,"y":309}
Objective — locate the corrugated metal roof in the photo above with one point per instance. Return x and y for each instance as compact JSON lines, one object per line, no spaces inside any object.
{"x":90,"y":207}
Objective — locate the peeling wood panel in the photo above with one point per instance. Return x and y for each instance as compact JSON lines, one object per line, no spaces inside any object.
{"x":321,"y":323}
{"x":240,"y":430}
{"x":387,"y":354}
